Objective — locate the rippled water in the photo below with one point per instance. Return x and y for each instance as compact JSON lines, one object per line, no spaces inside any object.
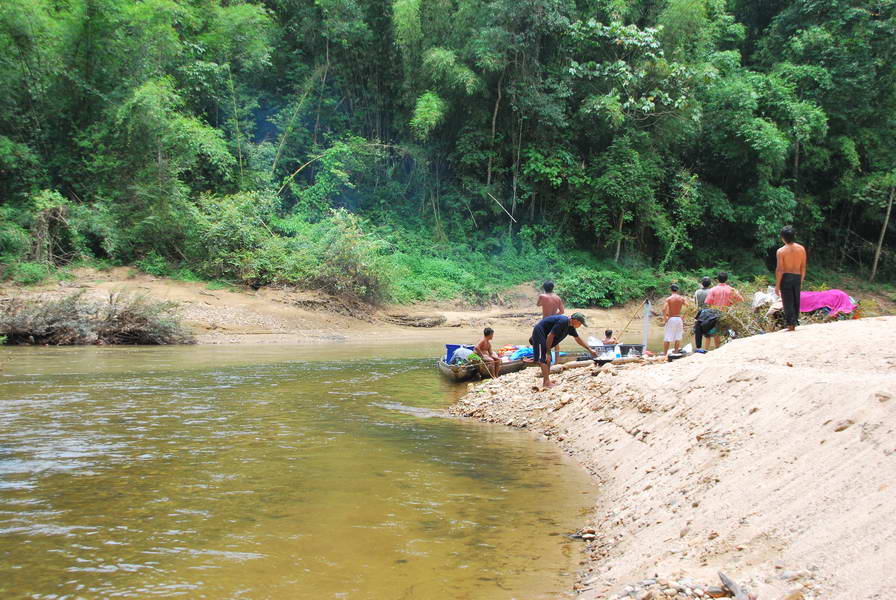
{"x":253,"y":472}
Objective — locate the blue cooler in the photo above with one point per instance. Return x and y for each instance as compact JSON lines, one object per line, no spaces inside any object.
{"x":450,"y":349}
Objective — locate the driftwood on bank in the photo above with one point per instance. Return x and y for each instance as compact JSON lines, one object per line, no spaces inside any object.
{"x":627,"y":360}
{"x":416,"y":320}
{"x":77,"y":319}
{"x":566,"y":366}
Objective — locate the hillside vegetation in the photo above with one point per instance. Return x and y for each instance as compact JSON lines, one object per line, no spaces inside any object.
{"x":406,"y":150}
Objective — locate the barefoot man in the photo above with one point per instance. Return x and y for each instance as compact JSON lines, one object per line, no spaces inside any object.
{"x":674,"y":326}
{"x":550,"y":303}
{"x":548,"y":333}
{"x":789,"y":275}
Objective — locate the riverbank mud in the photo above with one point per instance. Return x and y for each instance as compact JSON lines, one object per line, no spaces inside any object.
{"x":772,"y":460}
{"x":289,"y":316}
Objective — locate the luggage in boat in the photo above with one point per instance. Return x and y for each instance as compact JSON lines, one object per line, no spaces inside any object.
{"x":462,"y":355}
{"x":450,"y":349}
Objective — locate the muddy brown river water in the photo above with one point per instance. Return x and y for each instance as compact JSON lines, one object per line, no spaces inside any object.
{"x":270,"y":472}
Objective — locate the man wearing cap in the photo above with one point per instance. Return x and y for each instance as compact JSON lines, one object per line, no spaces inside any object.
{"x":548,"y":333}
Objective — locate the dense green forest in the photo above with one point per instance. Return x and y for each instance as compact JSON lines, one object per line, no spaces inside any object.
{"x":409,"y":149}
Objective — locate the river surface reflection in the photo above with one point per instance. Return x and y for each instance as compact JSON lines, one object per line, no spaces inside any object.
{"x":270,"y":472}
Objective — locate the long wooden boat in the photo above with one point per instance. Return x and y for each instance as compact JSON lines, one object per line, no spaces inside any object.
{"x":477,"y":370}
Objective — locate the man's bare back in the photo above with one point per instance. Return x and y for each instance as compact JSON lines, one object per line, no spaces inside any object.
{"x":550,"y":304}
{"x":792,"y":259}
{"x":673,"y":305}
{"x":789,"y":276}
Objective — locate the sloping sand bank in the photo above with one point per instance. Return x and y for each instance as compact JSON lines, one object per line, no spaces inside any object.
{"x":772,"y":459}
{"x":291,"y":316}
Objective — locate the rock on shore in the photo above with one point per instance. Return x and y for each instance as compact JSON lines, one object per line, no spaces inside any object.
{"x":772,"y":459}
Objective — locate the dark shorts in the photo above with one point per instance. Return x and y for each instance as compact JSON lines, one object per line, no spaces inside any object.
{"x":539,"y":348}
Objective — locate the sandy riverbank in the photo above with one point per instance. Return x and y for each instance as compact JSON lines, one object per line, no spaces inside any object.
{"x":288,"y":316}
{"x":772,"y":460}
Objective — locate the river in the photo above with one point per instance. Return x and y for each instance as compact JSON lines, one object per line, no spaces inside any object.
{"x":322,"y":471}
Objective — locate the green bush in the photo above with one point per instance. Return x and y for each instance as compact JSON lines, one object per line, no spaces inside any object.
{"x":64,"y":274}
{"x":185,"y":274}
{"x":587,"y":287}
{"x":154,"y":264}
{"x":351,"y":262}
{"x":219,"y":285}
{"x":224,"y":228}
{"x":100,"y":264}
{"x":28,"y":273}
{"x":477,"y":273}
{"x":239,"y":237}
{"x":14,"y":239}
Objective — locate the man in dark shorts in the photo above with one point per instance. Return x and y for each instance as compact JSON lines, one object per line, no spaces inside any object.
{"x":548,"y":333}
{"x":789,"y":275}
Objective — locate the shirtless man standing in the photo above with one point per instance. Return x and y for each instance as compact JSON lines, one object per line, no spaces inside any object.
{"x":789,"y":275}
{"x":674,"y":326}
{"x":550,"y":303}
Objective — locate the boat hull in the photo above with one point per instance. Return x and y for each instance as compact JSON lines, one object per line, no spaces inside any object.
{"x":478,"y":370}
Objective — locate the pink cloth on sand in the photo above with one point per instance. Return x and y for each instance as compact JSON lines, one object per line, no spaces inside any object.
{"x":836,"y":300}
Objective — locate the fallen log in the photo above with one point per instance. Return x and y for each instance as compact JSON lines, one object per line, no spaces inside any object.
{"x":578,"y":364}
{"x":416,"y":320}
{"x":627,"y":360}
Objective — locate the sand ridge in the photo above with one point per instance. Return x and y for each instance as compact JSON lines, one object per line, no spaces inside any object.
{"x":772,"y":459}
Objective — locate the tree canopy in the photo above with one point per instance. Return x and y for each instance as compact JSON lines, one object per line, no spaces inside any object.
{"x":222,"y":134}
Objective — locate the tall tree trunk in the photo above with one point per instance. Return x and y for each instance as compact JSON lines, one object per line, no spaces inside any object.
{"x":883,"y":232}
{"x":236,"y":125}
{"x":846,"y":235}
{"x":516,"y":174}
{"x":320,"y":99}
{"x":491,"y":156}
{"x":840,"y":236}
{"x":619,"y":235}
{"x":796,"y":167}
